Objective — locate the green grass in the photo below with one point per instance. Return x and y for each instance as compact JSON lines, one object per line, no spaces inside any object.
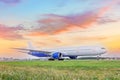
{"x":60,"y":70}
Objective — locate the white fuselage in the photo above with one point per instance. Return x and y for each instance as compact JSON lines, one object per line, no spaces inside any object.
{"x":81,"y":51}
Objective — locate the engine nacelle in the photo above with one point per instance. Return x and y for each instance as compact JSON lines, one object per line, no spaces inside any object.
{"x":56,"y":55}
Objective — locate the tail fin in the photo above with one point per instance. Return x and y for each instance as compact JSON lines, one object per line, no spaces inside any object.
{"x":26,"y":50}
{"x":30,"y":46}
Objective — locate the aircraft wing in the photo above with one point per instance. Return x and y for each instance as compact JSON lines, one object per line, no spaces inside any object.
{"x":23,"y":49}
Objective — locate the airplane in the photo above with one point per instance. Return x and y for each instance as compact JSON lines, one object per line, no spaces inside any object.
{"x":60,"y":53}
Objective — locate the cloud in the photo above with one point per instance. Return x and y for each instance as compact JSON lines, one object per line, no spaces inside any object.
{"x":10,"y":33}
{"x":105,"y":20}
{"x":53,"y":24}
{"x":48,"y":42}
{"x":10,"y":1}
{"x":112,"y":16}
{"x":88,"y":38}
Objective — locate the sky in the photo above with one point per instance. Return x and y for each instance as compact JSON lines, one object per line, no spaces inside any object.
{"x":59,"y":23}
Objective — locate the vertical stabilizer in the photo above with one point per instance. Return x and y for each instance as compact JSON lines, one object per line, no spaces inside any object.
{"x":30,"y":46}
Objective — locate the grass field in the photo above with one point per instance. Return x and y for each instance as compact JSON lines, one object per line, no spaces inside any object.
{"x":60,"y":70}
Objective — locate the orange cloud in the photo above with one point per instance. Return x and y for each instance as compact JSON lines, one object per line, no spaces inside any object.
{"x":49,"y":41}
{"x":10,"y":32}
{"x":55,"y":24}
{"x":36,"y":34}
{"x":93,"y":38}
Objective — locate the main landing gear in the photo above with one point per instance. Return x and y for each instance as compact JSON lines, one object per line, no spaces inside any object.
{"x":61,"y":59}
{"x":51,"y":59}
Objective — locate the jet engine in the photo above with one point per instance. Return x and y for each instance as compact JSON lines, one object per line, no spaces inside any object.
{"x":56,"y":55}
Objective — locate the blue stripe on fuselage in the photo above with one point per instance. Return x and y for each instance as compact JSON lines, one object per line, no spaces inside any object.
{"x":39,"y":54}
{"x":43,"y":54}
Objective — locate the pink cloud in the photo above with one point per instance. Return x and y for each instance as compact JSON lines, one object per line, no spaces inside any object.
{"x":107,"y":20}
{"x":10,"y":1}
{"x":10,"y":32}
{"x":55,"y":24}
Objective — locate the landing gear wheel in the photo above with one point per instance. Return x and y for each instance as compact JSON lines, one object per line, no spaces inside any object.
{"x":51,"y":59}
{"x":61,"y":59}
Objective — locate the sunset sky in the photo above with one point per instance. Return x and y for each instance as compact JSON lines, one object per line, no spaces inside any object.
{"x":58,"y":23}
